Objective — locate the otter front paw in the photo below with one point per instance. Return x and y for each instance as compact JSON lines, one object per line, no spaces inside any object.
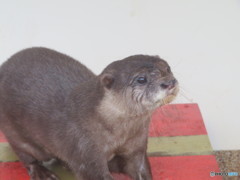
{"x":38,"y":172}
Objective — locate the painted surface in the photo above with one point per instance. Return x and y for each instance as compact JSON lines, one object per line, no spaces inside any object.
{"x":2,"y":137}
{"x":180,"y":120}
{"x":178,"y":149}
{"x":163,"y":168}
{"x":179,"y":145}
{"x":184,"y":167}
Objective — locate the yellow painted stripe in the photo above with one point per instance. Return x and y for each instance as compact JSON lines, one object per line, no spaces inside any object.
{"x":157,"y":146}
{"x":62,"y":172}
{"x":6,"y":153}
{"x":179,"y":145}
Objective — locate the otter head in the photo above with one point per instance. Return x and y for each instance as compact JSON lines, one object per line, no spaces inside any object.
{"x":139,"y":83}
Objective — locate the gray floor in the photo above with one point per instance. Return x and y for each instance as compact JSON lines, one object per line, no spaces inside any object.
{"x":229,"y":161}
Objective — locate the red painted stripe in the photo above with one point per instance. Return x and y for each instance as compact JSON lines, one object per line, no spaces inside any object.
{"x":2,"y":137}
{"x":166,"y":168}
{"x":177,"y":120}
{"x":13,"y":171}
{"x":184,"y":167}
{"x":16,"y":171}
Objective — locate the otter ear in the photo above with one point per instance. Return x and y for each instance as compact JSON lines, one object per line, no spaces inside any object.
{"x":107,"y":80}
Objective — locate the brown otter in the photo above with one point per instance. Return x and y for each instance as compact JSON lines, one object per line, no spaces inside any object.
{"x":52,"y":106}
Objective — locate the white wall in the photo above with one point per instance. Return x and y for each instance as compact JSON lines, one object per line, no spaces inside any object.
{"x":200,"y":40}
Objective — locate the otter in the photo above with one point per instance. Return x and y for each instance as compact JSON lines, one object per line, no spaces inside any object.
{"x":54,"y":107}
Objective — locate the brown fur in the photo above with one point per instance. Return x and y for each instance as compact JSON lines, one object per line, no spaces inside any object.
{"x":52,"y":106}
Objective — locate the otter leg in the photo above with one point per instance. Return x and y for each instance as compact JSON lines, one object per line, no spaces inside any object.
{"x":32,"y":159}
{"x":88,"y":164}
{"x":92,"y":169}
{"x":137,"y":166}
{"x":38,"y":172}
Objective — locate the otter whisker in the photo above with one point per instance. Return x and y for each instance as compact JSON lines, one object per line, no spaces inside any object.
{"x":185,"y":96}
{"x":141,"y":98}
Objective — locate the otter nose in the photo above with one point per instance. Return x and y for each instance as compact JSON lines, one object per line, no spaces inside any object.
{"x":169,"y":84}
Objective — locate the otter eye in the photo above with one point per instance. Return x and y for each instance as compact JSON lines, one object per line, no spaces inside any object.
{"x":142,"y":80}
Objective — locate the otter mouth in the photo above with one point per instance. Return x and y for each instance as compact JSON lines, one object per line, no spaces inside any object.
{"x":170,"y":96}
